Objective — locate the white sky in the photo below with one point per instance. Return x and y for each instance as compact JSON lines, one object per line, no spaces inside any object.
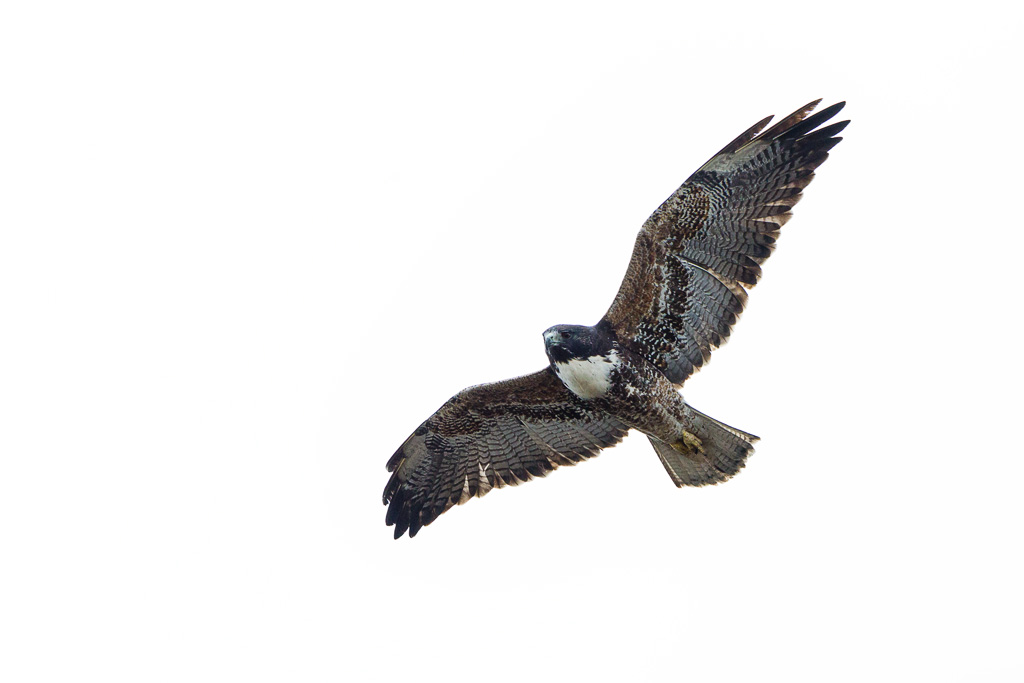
{"x":248,"y":247}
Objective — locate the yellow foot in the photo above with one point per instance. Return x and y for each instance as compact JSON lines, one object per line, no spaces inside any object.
{"x":689,"y":444}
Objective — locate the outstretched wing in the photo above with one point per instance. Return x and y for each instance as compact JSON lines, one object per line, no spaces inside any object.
{"x":490,"y":436}
{"x":698,"y":253}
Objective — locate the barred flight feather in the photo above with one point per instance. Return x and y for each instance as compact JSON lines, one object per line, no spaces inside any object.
{"x":723,"y":222}
{"x":684,"y":290}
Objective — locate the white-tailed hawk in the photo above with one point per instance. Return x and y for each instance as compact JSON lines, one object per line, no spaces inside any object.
{"x":686,"y":285}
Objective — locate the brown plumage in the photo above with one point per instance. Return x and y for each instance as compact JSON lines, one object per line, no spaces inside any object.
{"x":685,"y":287}
{"x":694,"y":257}
{"x":490,"y":436}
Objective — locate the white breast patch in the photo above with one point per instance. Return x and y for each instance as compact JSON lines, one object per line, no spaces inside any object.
{"x":589,"y":377}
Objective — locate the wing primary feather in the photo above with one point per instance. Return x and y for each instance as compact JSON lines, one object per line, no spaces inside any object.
{"x":415,"y":525}
{"x":725,"y":219}
{"x":787,"y":123}
{"x":812,"y":122}
{"x":487,"y":437}
{"x":685,"y":288}
{"x":745,"y":137}
{"x":826,"y":132}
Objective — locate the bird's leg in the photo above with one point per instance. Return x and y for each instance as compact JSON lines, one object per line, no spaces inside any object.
{"x":690,"y":444}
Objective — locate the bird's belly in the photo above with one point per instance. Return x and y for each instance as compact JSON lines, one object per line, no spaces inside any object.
{"x":588,"y":378}
{"x":641,"y":396}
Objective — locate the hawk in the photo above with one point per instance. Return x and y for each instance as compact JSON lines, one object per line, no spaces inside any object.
{"x":684,"y":289}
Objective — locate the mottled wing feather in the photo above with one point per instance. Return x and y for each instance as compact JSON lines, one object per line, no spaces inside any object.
{"x":490,"y":436}
{"x":703,"y":247}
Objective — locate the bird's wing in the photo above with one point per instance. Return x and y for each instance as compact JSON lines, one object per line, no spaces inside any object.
{"x":698,"y":253}
{"x":490,"y":436}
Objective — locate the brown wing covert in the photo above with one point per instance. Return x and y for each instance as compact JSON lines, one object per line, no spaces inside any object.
{"x":703,"y":247}
{"x":491,"y":436}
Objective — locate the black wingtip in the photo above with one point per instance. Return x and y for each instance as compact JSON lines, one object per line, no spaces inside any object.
{"x":828,"y":131}
{"x":811,"y":122}
{"x":399,"y":512}
{"x":402,"y":524}
{"x":406,"y":514}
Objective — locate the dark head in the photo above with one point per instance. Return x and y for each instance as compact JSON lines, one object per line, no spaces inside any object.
{"x":564,"y":342}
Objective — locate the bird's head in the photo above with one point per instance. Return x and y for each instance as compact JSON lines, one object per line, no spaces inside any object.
{"x":566,"y":342}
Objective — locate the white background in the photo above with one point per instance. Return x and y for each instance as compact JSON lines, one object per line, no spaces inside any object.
{"x":247,"y":247}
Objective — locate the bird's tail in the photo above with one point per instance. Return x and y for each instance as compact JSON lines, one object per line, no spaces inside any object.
{"x":708,"y":452}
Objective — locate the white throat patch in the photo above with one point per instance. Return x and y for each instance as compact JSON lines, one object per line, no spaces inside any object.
{"x":589,"y":377}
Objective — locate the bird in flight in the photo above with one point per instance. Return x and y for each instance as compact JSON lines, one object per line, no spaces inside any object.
{"x":685,"y":287}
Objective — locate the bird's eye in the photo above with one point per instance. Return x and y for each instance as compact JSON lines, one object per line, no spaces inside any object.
{"x":566,"y":335}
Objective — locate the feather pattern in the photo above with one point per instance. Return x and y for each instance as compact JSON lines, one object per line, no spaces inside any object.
{"x":490,"y":436}
{"x":686,"y":286}
{"x":697,"y":254}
